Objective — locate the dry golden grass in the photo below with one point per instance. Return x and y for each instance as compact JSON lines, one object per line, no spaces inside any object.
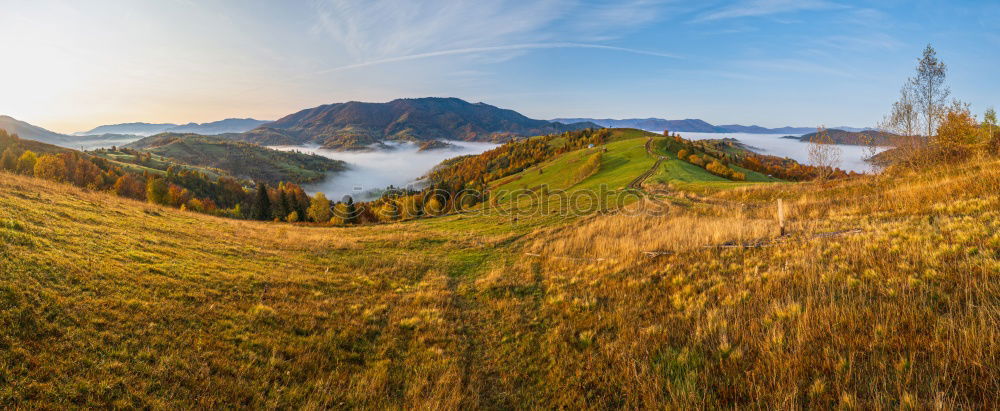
{"x":108,"y":302}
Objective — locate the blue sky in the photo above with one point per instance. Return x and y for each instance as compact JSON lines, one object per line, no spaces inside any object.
{"x":76,"y":65}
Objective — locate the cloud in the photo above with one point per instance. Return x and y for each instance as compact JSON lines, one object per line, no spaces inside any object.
{"x":799,"y":66}
{"x":374,"y":30}
{"x":509,"y":47}
{"x":758,"y":8}
{"x":860,"y":43}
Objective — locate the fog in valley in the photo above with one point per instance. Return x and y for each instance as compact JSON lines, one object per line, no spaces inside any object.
{"x":372,"y":171}
{"x":852,"y":157}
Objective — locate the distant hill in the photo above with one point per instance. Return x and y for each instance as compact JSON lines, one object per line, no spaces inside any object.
{"x":138,"y":129}
{"x":693,"y":126}
{"x":356,"y":125}
{"x":229,"y":125}
{"x":28,"y":131}
{"x":880,"y":138}
{"x":32,"y":132}
{"x":240,"y":159}
{"x":8,"y":140}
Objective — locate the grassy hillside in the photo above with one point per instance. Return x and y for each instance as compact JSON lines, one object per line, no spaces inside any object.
{"x":883,"y":295}
{"x":242,"y":160}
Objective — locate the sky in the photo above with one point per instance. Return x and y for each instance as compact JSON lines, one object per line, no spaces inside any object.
{"x":72,"y":65}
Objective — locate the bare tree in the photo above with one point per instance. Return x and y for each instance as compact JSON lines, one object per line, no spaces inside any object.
{"x":823,"y":153}
{"x":871,"y":150}
{"x":930,"y":92}
{"x":904,"y":119}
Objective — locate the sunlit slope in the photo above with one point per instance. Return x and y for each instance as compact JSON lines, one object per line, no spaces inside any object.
{"x":106,"y":301}
{"x":685,"y":175}
{"x":884,"y":292}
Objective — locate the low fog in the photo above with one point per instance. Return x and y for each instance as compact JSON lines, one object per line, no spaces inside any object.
{"x":372,"y":171}
{"x":852,"y":158}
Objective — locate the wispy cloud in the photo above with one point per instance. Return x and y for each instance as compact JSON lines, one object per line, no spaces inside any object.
{"x":509,"y":47}
{"x":758,"y":8}
{"x":799,"y":66}
{"x":860,"y":43}
{"x":375,"y":31}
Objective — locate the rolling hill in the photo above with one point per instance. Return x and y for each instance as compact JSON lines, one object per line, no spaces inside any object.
{"x":239,"y":159}
{"x":356,"y":125}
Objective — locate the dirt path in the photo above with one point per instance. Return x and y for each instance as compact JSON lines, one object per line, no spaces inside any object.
{"x":637,"y":183}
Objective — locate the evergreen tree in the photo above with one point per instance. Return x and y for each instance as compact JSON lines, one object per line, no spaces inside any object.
{"x":262,"y":203}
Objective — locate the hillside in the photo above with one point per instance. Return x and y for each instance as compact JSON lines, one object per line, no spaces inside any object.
{"x":356,"y":125}
{"x":145,"y":306}
{"x":857,"y":138}
{"x":241,"y":160}
{"x":8,"y":140}
{"x":32,"y":132}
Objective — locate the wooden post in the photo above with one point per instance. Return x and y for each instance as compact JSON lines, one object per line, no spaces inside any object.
{"x":781,"y":218}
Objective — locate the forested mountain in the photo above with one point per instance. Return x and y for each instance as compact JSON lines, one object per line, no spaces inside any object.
{"x":355,"y":125}
{"x":239,"y":159}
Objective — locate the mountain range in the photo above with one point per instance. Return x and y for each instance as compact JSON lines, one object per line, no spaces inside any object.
{"x":694,"y":126}
{"x":357,"y":125}
{"x":229,"y":125}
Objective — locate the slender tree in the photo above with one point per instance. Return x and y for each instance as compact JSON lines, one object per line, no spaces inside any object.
{"x":905,"y":116}
{"x":823,"y":153}
{"x":930,"y":91}
{"x":990,"y":121}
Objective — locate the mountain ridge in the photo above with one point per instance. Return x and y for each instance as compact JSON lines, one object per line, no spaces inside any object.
{"x":356,"y":125}
{"x":229,"y":125}
{"x":697,"y":126}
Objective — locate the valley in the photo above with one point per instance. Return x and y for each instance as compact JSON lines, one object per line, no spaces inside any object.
{"x":499,"y":205}
{"x":503,"y":305}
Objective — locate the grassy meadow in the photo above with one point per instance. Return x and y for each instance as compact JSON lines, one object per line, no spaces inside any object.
{"x":884,"y":294}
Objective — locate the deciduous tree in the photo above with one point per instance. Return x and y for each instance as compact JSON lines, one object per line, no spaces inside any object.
{"x":319,"y":209}
{"x":930,"y":91}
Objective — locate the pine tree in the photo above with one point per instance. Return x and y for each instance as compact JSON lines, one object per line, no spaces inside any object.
{"x":262,"y":203}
